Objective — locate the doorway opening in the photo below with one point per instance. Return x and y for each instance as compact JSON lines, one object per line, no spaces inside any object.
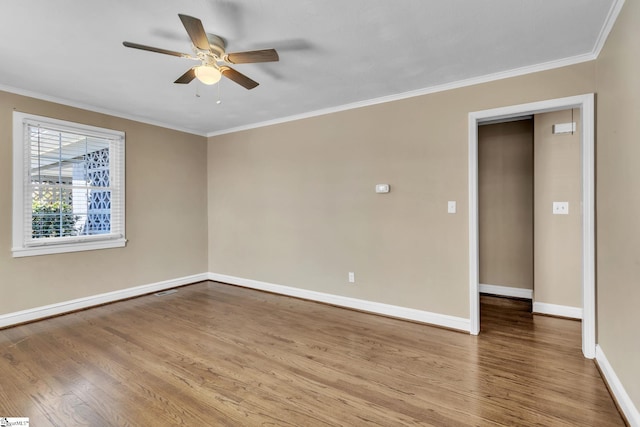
{"x":584,"y":105}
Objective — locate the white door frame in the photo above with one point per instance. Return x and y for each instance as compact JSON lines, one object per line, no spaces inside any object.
{"x":586,"y":105}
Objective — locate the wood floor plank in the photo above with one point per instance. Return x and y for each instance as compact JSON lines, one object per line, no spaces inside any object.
{"x":215,"y":354}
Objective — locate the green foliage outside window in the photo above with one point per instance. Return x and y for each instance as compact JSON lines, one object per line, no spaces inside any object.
{"x":53,"y":219}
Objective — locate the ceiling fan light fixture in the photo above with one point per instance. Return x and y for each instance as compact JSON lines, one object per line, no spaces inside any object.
{"x":208,"y":74}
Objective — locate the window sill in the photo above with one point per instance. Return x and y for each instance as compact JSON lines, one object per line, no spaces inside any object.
{"x":68,"y":247}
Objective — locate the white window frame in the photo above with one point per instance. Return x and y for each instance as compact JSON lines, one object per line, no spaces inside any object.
{"x":23,"y":247}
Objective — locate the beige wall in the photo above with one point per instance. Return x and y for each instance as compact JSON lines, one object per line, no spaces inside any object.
{"x":166,"y":215}
{"x":294,"y":204}
{"x":558,"y":238}
{"x":505,"y":203}
{"x":618,"y":199}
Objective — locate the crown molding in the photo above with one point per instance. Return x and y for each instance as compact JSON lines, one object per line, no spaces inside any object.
{"x":94,"y":109}
{"x":609,"y":21}
{"x":419,"y":92}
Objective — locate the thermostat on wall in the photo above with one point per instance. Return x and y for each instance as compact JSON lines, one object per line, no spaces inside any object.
{"x":564,"y":128}
{"x":382,"y":188}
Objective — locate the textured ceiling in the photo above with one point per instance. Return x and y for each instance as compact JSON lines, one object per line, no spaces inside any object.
{"x":332,"y":52}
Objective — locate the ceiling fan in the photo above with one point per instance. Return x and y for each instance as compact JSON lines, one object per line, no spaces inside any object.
{"x":209,"y":49}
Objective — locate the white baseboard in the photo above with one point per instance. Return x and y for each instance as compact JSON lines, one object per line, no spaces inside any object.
{"x":557,"y":310}
{"x":32,"y":314}
{"x":624,"y":401}
{"x":506,"y":291}
{"x":354,"y":303}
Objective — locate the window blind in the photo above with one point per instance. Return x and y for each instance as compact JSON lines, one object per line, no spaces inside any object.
{"x":73,"y":185}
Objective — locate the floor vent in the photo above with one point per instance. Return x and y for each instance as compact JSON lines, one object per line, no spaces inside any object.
{"x":163,"y":293}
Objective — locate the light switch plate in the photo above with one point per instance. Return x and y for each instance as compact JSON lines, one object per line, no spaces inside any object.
{"x":561,"y":208}
{"x":451,"y":206}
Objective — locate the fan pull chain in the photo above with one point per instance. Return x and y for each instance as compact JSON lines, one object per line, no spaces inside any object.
{"x":219,"y":101}
{"x":197,"y":91}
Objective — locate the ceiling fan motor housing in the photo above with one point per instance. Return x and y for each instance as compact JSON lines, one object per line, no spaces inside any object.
{"x":217,"y":45}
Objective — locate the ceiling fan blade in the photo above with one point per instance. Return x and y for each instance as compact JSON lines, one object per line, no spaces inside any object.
{"x":252,"y":56}
{"x":157,"y":50}
{"x":196,"y":31}
{"x":238,"y":77}
{"x":187,"y":77}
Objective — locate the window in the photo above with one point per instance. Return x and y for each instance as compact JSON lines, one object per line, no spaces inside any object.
{"x":68,"y":186}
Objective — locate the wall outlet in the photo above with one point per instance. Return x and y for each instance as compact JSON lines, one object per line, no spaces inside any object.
{"x":352,"y":277}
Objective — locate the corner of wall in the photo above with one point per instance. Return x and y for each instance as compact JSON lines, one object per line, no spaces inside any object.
{"x":622,"y":398}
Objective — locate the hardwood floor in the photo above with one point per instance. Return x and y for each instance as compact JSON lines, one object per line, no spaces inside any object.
{"x":213,"y":354}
